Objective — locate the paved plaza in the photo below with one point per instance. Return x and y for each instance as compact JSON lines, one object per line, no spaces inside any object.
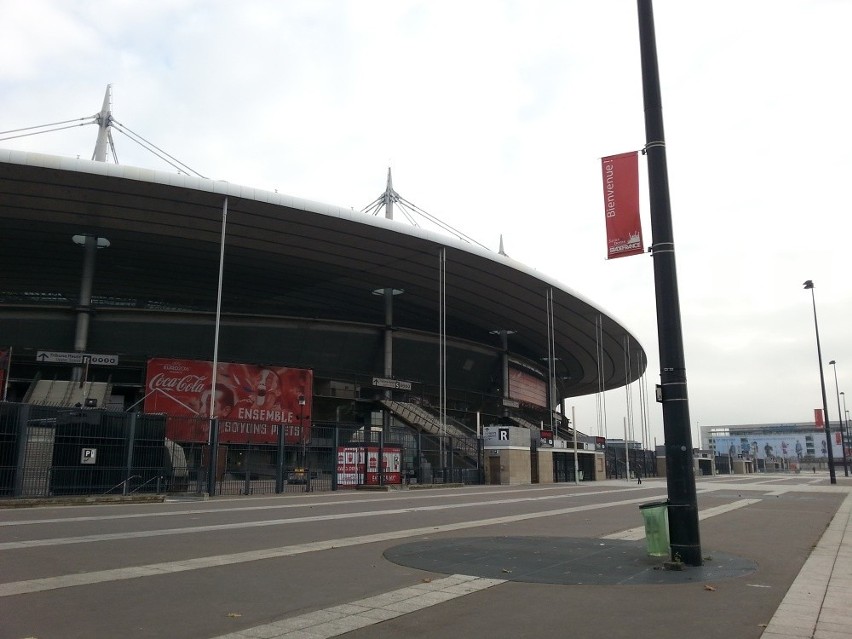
{"x":478,"y":561}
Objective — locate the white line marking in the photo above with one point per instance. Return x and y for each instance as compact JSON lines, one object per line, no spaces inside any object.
{"x":141,"y":534}
{"x":338,"y":620}
{"x":313,"y":503}
{"x":133,"y":572}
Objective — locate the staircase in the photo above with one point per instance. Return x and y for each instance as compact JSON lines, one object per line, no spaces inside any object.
{"x":68,"y":394}
{"x":464,"y":440}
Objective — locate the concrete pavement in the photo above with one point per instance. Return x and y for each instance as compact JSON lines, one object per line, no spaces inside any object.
{"x":817,"y":605}
{"x":479,"y":562}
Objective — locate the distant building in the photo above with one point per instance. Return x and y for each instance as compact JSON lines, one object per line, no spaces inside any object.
{"x":774,"y":446}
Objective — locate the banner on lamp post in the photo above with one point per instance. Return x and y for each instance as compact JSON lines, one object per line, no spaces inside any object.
{"x":621,"y":204}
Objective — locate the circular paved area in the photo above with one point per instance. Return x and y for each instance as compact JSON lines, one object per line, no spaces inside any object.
{"x":556,"y":560}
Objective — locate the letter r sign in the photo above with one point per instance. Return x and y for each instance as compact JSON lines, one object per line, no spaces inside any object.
{"x":503,"y":434}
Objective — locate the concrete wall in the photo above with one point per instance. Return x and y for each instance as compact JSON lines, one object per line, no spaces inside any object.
{"x":545,"y":465}
{"x":514,"y":466}
{"x":600,"y":467}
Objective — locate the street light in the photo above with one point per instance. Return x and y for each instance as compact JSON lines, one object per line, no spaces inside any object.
{"x":306,"y":474}
{"x":302,"y":427}
{"x":833,"y":364}
{"x":809,"y":285}
{"x":279,"y":467}
{"x":847,"y":440}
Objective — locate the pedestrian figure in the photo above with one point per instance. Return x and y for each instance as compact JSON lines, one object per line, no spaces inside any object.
{"x":638,"y":478}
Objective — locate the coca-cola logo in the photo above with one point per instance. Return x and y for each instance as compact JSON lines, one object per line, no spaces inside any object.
{"x":184,"y":384}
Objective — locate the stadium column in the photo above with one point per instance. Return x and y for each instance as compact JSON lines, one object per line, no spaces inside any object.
{"x":504,"y":364}
{"x":90,"y":243}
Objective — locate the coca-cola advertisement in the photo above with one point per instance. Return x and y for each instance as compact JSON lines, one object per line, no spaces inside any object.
{"x":251,"y":402}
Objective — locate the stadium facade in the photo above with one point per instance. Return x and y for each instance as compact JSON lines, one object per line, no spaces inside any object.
{"x":105,"y":269}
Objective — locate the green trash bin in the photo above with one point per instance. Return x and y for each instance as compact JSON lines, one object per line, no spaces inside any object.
{"x":656,"y":516}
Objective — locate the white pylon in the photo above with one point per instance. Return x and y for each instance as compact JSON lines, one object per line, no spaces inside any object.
{"x":104,"y":121}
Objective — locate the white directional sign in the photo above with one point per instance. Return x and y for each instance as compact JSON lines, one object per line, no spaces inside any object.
{"x":64,"y":357}
{"x":384,"y":382}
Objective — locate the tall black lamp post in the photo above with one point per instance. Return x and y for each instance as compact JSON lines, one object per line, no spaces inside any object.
{"x":279,"y":470}
{"x":846,"y":416}
{"x":809,"y":285}
{"x":833,"y":364}
{"x":302,"y":429}
{"x":685,"y":541}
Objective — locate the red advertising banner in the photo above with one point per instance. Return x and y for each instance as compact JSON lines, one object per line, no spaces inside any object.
{"x":819,"y":422}
{"x":251,"y":402}
{"x":351,"y":470}
{"x":621,"y":204}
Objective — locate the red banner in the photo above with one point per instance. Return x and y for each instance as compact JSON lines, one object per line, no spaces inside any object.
{"x":621,"y":204}
{"x":251,"y":402}
{"x":818,"y":419}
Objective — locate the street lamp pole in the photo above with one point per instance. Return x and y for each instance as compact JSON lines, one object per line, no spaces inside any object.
{"x":833,"y":364}
{"x":279,"y":468}
{"x":847,"y":440}
{"x":302,"y":428}
{"x":809,"y":285}
{"x":684,"y":536}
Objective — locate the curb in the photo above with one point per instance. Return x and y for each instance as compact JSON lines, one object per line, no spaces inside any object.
{"x":81,"y":500}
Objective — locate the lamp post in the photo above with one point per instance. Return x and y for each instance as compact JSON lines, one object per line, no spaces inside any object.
{"x":846,"y":426}
{"x":684,"y":535}
{"x":833,"y":364}
{"x":809,"y":285}
{"x":302,"y":428}
{"x":279,"y":468}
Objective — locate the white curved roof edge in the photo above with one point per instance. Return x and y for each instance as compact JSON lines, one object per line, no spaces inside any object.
{"x":223,"y":187}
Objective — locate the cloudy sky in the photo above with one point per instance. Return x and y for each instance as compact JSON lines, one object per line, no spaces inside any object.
{"x":494,"y":116}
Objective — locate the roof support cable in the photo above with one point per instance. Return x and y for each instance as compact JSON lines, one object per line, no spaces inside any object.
{"x":150,"y":146}
{"x":32,"y":129}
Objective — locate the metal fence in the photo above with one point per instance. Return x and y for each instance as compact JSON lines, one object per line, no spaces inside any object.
{"x":642,"y":463}
{"x":49,"y":451}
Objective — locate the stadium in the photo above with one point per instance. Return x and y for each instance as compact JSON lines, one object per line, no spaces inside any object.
{"x":378,"y":333}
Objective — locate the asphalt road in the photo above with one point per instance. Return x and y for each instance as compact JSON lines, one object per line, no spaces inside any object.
{"x":258,"y":566}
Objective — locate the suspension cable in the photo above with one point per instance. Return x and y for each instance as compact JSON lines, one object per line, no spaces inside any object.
{"x":91,"y":119}
{"x":24,"y":135}
{"x":121,"y":128}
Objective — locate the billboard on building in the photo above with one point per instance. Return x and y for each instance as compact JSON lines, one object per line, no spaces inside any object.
{"x":791,"y":447}
{"x":526,"y":388}
{"x":251,"y":402}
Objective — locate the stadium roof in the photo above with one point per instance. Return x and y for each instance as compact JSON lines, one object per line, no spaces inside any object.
{"x":284,"y":256}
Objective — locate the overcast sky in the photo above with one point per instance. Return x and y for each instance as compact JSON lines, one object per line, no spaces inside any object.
{"x":494,"y":116}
